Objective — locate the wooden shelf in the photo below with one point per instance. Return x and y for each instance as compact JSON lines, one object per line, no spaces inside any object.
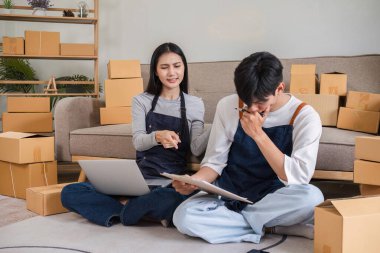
{"x":48,"y":95}
{"x":48,"y":19}
{"x":15,"y":82}
{"x":53,"y":57}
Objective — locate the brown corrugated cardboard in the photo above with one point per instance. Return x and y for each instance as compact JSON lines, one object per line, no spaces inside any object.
{"x":119,"y":92}
{"x":347,"y":225}
{"x":326,"y":105}
{"x":302,"y":79}
{"x":26,"y":148}
{"x":28,"y":104}
{"x":367,"y":148}
{"x":124,"y":69}
{"x":42,"y":43}
{"x":115,"y":115}
{"x":368,"y":190}
{"x":39,"y":122}
{"x":358,"y":120}
{"x":13,"y":45}
{"x":15,"y":178}
{"x":366,"y":172}
{"x":75,"y":49}
{"x":333,"y":83}
{"x":45,"y":200}
{"x":363,"y":101}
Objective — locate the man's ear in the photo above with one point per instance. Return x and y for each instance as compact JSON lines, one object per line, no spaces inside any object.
{"x":281,"y":87}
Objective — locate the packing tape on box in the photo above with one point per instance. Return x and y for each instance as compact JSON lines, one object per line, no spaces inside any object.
{"x":13,"y":184}
{"x":37,"y":154}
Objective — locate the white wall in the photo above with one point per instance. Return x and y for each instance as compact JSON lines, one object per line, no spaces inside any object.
{"x":217,"y":30}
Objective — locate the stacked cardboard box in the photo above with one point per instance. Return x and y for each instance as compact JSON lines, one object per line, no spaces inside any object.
{"x":26,"y":160}
{"x":367,"y":164}
{"x":303,"y":85}
{"x":42,"y":43}
{"x":123,"y":83}
{"x":13,"y":45}
{"x":362,"y":112}
{"x":28,"y":114}
{"x":77,"y":49}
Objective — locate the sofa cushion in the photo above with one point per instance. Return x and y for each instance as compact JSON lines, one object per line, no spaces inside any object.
{"x":337,"y":149}
{"x":103,"y":141}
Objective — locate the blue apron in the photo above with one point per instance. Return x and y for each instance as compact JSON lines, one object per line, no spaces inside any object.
{"x":248,"y":173}
{"x":158,"y":159}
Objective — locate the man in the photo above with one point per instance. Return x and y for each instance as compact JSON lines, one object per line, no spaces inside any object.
{"x":268,"y":156}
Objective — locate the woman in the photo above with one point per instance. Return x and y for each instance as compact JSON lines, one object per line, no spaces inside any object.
{"x":167,"y":122}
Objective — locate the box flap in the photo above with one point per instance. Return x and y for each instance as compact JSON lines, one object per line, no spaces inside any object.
{"x":357,"y":206}
{"x":302,"y":69}
{"x":16,"y":135}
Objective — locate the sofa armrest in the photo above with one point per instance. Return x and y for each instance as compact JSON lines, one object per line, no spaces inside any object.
{"x":70,"y":114}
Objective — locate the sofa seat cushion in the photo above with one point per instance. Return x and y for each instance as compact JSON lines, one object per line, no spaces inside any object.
{"x":103,"y":141}
{"x":337,"y":149}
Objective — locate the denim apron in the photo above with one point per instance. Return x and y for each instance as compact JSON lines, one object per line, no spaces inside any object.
{"x":248,"y":173}
{"x":158,"y":159}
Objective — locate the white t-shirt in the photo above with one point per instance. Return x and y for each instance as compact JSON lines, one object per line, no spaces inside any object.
{"x":299,"y":167}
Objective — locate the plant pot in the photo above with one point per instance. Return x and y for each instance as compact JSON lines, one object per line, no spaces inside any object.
{"x":39,"y":11}
{"x":7,"y":11}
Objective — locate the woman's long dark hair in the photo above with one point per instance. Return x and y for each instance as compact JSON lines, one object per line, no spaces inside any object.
{"x":154,"y":84}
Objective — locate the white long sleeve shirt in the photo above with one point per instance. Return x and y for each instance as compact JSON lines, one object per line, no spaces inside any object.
{"x":299,"y":167}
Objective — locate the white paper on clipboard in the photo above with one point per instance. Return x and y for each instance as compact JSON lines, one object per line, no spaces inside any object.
{"x":206,"y":186}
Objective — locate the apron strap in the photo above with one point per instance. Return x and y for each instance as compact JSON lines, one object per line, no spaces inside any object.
{"x":295,"y":114}
{"x":154,"y":102}
{"x":241,"y":104}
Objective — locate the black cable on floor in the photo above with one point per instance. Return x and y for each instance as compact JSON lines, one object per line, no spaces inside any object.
{"x":268,"y":247}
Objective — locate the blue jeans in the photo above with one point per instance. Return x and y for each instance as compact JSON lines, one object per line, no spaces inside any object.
{"x":106,"y":210}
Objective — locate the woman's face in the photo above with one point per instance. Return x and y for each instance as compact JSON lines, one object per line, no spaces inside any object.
{"x":170,"y":70}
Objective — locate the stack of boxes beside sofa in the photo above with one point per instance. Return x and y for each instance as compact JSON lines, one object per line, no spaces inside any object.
{"x":367,"y":165}
{"x":123,"y":83}
{"x":28,"y":114}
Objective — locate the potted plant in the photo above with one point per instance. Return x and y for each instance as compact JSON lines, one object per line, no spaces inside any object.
{"x":40,"y":6}
{"x":8,"y":6}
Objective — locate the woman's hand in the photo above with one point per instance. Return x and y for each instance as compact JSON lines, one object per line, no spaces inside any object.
{"x":168,"y":139}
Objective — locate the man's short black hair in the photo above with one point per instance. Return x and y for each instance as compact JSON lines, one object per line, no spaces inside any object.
{"x":258,"y":77}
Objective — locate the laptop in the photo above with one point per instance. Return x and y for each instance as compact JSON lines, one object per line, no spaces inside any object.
{"x":119,"y":177}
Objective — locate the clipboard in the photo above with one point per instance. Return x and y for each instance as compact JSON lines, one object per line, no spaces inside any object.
{"x":206,"y":186}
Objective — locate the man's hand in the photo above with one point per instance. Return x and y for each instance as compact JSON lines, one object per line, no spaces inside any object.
{"x":168,"y":139}
{"x":183,"y":188}
{"x":252,"y":122}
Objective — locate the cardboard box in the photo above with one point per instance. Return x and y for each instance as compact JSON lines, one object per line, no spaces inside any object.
{"x":45,"y":200}
{"x":333,"y":83}
{"x":116,"y":115}
{"x":39,"y":122}
{"x":367,"y":148}
{"x":124,"y":69}
{"x":75,"y":49}
{"x":28,"y":104}
{"x":369,"y":190}
{"x":302,"y":79}
{"x":13,"y":45}
{"x":347,"y":225}
{"x":26,"y":148}
{"x":366,"y":172}
{"x":119,"y":92}
{"x":363,"y":101}
{"x":15,"y":178}
{"x":42,"y":43}
{"x":358,"y":120}
{"x":326,"y":105}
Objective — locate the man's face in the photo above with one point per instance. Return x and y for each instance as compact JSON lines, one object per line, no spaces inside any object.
{"x":262,"y":106}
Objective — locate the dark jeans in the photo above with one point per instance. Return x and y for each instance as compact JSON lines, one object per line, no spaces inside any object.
{"x":106,"y":210}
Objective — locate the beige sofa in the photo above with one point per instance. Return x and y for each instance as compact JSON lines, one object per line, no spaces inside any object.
{"x":78,"y":132}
